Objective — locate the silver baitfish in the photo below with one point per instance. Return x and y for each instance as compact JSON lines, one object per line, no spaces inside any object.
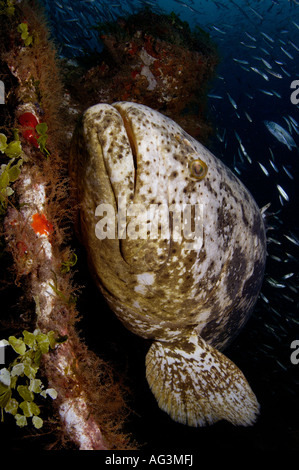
{"x":190,"y":302}
{"x":281,"y":134}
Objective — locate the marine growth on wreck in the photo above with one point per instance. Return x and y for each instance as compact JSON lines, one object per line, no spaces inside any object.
{"x":155,"y":60}
{"x":40,"y":314}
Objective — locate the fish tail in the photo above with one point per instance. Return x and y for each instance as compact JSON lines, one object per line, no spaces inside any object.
{"x":197,"y":385}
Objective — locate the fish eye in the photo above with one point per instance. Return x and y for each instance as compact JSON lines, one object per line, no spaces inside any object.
{"x":198,"y":169}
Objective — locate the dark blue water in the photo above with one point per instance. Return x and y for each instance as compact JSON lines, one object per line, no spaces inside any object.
{"x":258,"y":43}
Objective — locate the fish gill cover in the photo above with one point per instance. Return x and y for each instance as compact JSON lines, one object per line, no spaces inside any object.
{"x":253,"y":105}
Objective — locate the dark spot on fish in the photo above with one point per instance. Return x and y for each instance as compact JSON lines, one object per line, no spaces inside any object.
{"x":235,"y":269}
{"x":192,"y":257}
{"x":212,"y":329}
{"x":209,"y":187}
{"x":235,"y":320}
{"x":225,"y":218}
{"x":254,"y":282}
{"x":245,"y":220}
{"x":221,"y":333}
{"x":184,"y":344}
{"x":258,"y":227}
{"x":212,"y":264}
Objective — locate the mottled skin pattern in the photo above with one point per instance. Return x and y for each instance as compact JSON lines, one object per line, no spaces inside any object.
{"x":188,"y":301}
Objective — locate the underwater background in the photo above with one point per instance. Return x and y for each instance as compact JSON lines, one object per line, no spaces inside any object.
{"x":258,"y":46}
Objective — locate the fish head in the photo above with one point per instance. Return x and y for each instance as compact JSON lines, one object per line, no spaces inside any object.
{"x":144,"y":162}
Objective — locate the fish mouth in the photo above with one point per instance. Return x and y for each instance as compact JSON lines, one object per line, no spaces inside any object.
{"x":140,"y":253}
{"x":130,"y":135}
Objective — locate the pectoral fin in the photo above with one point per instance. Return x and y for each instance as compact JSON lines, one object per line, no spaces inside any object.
{"x":197,"y":385}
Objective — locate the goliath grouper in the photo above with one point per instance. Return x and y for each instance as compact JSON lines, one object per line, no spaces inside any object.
{"x":191,"y":299}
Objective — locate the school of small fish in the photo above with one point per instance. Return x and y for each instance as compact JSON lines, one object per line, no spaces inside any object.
{"x":263,"y":146}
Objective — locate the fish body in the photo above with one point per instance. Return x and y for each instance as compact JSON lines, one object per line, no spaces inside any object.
{"x":219,"y":30}
{"x":249,"y":46}
{"x":275,"y":74}
{"x":248,"y":117}
{"x":250,"y":37}
{"x":232,"y":101}
{"x":267,"y":37}
{"x":293,"y":121}
{"x":240,"y":61}
{"x":218,"y":97}
{"x":266,"y":63}
{"x":260,"y":73}
{"x":263,"y":169}
{"x":287,"y":53}
{"x":190,"y":300}
{"x":256,"y":13}
{"x":281,"y":134}
{"x":266,"y":92}
{"x":282,"y":192}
